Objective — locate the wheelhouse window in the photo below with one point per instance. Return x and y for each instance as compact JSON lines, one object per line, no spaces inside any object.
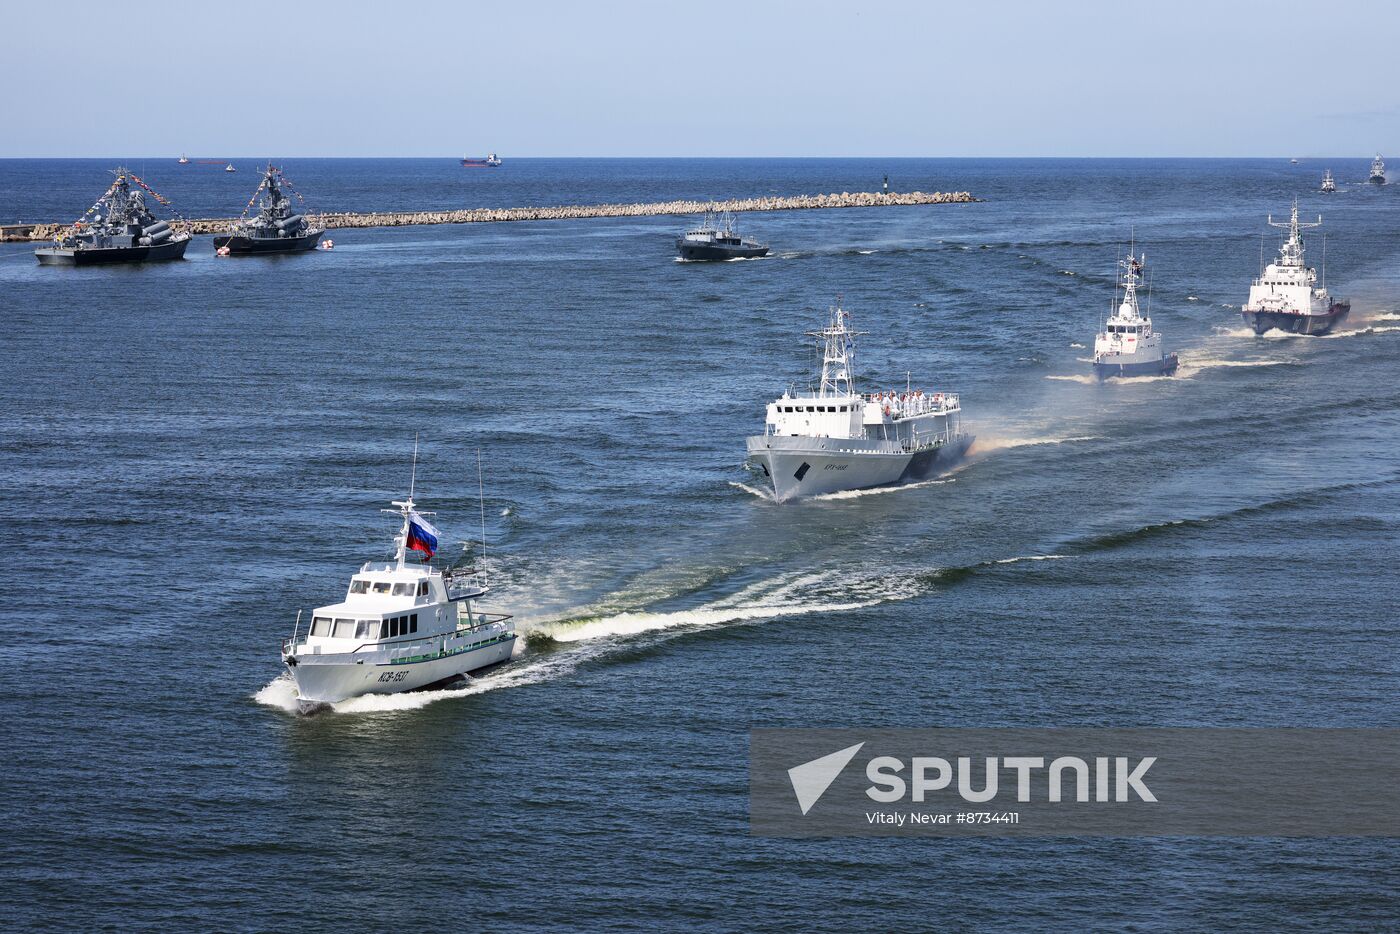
{"x":381,"y":586}
{"x":345,"y":629}
{"x":321,"y":626}
{"x":367,"y":629}
{"x":359,"y":586}
{"x":422,"y":588}
{"x":403,"y":590}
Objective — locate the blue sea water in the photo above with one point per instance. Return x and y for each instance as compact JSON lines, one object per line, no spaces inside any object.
{"x":193,"y":451}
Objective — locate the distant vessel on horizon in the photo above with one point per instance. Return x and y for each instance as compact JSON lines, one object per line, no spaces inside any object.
{"x":183,"y":160}
{"x":230,"y":168}
{"x":1286,"y":295}
{"x":491,"y":161}
{"x":1378,"y":170}
{"x":1329,"y":185}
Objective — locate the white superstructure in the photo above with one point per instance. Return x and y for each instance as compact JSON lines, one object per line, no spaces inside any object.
{"x":401,"y":626}
{"x":1127,"y":346}
{"x":838,"y":439}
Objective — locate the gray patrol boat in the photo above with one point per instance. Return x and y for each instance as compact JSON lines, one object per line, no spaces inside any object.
{"x":119,"y":228}
{"x":717,"y":239}
{"x":837,"y":439}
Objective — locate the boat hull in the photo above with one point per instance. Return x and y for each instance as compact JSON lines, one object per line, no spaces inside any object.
{"x":239,"y":245}
{"x":322,"y":680}
{"x":800,"y":467}
{"x":1262,"y":321}
{"x":1166,"y":366}
{"x":99,"y":256}
{"x":1377,"y":179}
{"x":709,"y":252}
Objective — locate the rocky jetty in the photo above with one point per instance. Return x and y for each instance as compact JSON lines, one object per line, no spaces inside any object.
{"x":844,"y":199}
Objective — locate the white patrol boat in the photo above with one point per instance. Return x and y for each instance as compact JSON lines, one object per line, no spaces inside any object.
{"x":401,"y":627}
{"x":1329,"y":184}
{"x":1377,"y":176}
{"x":837,"y":439}
{"x":1287,"y":295}
{"x":1127,"y":346}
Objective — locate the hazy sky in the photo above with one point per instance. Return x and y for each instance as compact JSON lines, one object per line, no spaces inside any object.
{"x":699,"y":77}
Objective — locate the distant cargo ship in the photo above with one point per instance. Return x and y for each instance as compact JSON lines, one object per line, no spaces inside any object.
{"x":491,"y":161}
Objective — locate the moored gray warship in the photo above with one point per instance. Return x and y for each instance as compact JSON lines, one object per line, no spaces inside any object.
{"x":277,"y":228}
{"x":118,"y":228}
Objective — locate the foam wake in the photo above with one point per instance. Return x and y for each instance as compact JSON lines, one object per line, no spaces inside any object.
{"x":1191,"y":367}
{"x":281,"y":693}
{"x":986,"y":444}
{"x":783,"y":596}
{"x":880,"y":490}
{"x":751,"y":490}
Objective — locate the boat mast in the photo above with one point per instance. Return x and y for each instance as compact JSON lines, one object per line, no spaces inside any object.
{"x":1291,"y":253}
{"x":1131,"y":277}
{"x":481,"y":502}
{"x":838,"y":346}
{"x":405,"y":508}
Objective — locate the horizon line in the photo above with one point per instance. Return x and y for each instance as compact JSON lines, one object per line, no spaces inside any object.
{"x":222,"y":158}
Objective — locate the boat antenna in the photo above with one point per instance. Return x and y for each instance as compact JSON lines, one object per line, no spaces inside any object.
{"x":481,"y":502}
{"x":413,"y":475}
{"x":1324,"y":262}
{"x":1149,"y":288}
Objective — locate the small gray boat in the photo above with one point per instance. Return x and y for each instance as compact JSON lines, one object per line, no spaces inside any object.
{"x":717,"y":239}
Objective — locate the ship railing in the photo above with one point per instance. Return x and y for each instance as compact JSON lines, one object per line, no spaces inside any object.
{"x":922,"y":442}
{"x":398,"y":647}
{"x":410,"y":645}
{"x":927,"y":404}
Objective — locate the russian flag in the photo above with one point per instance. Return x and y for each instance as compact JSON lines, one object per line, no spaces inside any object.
{"x":421,"y":535}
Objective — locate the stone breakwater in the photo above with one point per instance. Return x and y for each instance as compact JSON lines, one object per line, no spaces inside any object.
{"x":845,"y":199}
